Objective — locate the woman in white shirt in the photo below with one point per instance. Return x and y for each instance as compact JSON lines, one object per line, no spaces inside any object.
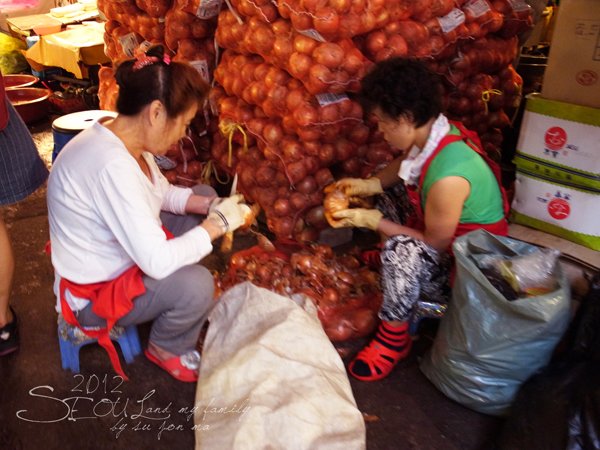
{"x":109,"y":206}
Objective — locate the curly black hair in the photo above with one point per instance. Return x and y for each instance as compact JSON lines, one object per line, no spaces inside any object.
{"x":402,"y":87}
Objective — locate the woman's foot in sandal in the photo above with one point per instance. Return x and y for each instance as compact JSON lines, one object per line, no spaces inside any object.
{"x":390,"y":345}
{"x":183,"y":367}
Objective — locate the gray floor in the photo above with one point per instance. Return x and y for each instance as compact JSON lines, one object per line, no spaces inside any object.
{"x":45,"y":407}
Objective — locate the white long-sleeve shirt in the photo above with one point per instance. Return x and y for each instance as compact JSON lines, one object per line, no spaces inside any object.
{"x":104,"y":213}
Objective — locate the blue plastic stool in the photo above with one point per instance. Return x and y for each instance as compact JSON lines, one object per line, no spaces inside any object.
{"x":71,"y":339}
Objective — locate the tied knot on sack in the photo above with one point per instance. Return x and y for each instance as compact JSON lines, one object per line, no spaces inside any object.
{"x":486,"y":96}
{"x":228,"y":129}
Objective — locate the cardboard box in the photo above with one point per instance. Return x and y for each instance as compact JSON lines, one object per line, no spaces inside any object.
{"x":561,"y":141}
{"x":557,"y":187}
{"x":573,"y":72}
{"x":554,"y":208}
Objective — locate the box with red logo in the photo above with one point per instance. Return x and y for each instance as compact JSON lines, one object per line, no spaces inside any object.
{"x":573,"y":72}
{"x":558,"y":170}
{"x":565,"y":211}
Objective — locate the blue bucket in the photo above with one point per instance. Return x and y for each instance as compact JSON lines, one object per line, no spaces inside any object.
{"x":67,"y":127}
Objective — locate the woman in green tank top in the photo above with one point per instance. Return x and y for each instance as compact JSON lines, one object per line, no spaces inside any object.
{"x":439,"y":187}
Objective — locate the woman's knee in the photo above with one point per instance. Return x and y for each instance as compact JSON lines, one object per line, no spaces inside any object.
{"x":195,"y":286}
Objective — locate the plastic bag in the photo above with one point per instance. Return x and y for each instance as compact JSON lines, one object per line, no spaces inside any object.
{"x":525,"y":275}
{"x":487,"y":346}
{"x":11,"y":58}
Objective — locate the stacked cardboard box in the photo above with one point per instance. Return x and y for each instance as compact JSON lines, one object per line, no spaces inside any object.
{"x":573,"y":72}
{"x":557,"y":186}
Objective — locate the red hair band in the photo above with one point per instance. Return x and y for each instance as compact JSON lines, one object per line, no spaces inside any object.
{"x":144,"y":60}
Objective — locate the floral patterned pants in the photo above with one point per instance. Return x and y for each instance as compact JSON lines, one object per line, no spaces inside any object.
{"x":411,"y":270}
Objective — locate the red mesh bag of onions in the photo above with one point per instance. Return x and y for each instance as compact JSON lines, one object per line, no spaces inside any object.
{"x":346,"y":293}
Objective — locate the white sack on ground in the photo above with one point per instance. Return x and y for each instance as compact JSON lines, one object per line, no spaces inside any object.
{"x":270,"y":378}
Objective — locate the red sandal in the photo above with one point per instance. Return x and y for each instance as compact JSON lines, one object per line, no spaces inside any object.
{"x":382,"y":359}
{"x":178,"y":366}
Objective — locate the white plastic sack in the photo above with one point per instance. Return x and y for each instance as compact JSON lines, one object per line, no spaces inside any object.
{"x":271,"y":379}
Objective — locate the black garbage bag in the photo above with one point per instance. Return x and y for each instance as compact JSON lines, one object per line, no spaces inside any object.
{"x":559,"y":407}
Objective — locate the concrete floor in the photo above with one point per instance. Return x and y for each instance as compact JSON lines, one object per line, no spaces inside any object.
{"x":43,"y":406}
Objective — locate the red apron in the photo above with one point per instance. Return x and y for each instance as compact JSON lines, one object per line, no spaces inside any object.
{"x":414,"y":194}
{"x":111,"y":300}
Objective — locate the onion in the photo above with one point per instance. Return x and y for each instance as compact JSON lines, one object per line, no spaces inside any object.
{"x":329,"y":297}
{"x":329,"y":113}
{"x":299,"y":64}
{"x":327,"y":21}
{"x":316,"y":217}
{"x":311,"y":163}
{"x":282,"y":49}
{"x":323,"y":177}
{"x":329,"y":54}
{"x":295,"y":97}
{"x":326,"y":154}
{"x":354,"y":61}
{"x":307,"y":234}
{"x":376,"y":41}
{"x":292,"y":150}
{"x":281,"y":207}
{"x":283,"y":227}
{"x":171,"y":176}
{"x":344,"y":149}
{"x":309,"y":135}
{"x":264,"y":176}
{"x":272,"y":133}
{"x":352,"y":166}
{"x":342,"y":331}
{"x":194,"y":169}
{"x":306,"y":115}
{"x":296,"y":171}
{"x":398,"y":45}
{"x":307,"y":186}
{"x":266,"y":197}
{"x":304,"y":44}
{"x":363,"y":322}
{"x":298,"y":201}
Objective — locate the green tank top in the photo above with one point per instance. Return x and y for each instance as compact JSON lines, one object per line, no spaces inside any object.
{"x":484,"y":203}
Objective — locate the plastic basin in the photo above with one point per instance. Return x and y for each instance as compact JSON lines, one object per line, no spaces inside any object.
{"x":18,"y":80}
{"x":31,"y":103}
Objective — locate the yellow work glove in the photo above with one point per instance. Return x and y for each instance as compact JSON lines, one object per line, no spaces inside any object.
{"x":357,"y":217}
{"x":230,"y":212}
{"x":357,"y":186}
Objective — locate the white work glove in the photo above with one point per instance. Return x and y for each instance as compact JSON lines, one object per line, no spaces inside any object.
{"x":357,"y":187}
{"x":229,"y":212}
{"x":357,"y":217}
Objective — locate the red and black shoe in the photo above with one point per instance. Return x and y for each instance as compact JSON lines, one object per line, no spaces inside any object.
{"x":389,"y":346}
